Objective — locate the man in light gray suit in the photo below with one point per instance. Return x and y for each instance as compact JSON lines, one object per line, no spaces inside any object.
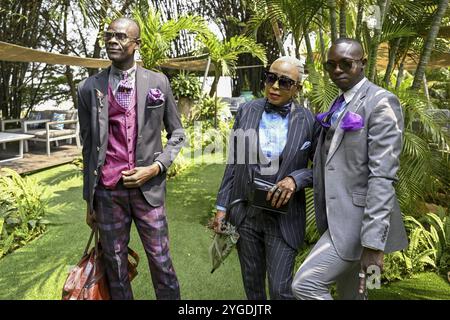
{"x":355,"y":166}
{"x":121,"y":111}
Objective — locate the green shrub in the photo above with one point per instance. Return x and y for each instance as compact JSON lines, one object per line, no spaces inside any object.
{"x":185,"y":85}
{"x":421,"y":254}
{"x":439,"y":225}
{"x":204,"y":110}
{"x":22,"y":208}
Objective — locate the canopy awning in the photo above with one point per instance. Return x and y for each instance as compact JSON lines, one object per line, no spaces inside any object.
{"x":16,"y":53}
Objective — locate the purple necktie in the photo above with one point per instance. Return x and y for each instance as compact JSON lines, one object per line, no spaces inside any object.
{"x":124,"y":91}
{"x":325,"y":117}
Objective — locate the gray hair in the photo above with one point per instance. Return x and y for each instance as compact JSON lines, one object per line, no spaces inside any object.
{"x":294,"y":62}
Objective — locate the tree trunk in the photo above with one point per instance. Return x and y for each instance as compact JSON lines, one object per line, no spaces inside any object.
{"x":278,"y":37}
{"x":322,"y":45}
{"x":373,"y":51}
{"x":359,"y":18}
{"x":342,"y":19}
{"x":333,"y":19}
{"x":101,"y":26}
{"x":401,"y":69}
{"x":429,"y":44}
{"x":215,"y":82}
{"x":390,"y":66}
{"x":309,"y":50}
{"x":425,"y":89}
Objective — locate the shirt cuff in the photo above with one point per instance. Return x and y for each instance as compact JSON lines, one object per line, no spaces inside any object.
{"x":221,"y":208}
{"x":161,"y":166}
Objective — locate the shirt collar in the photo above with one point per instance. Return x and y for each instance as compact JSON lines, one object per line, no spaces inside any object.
{"x":117,"y":73}
{"x":349,"y":94}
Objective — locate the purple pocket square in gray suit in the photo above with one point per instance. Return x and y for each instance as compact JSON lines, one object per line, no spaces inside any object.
{"x":155,"y":97}
{"x":352,"y":122}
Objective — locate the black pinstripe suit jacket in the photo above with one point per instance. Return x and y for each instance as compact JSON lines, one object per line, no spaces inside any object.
{"x":236,"y":181}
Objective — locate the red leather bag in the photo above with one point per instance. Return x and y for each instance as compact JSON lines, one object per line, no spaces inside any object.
{"x":87,"y":280}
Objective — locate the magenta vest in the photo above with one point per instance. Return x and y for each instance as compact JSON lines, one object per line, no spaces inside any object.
{"x":122,"y":133}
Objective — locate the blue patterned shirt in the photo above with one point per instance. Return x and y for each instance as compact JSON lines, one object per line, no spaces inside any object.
{"x":273,"y":131}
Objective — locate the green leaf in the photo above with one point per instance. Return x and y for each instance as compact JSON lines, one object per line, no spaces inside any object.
{"x":12,"y":221}
{"x":32,"y":223}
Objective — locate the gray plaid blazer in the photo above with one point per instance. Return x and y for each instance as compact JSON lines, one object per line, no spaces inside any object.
{"x":93,"y":117}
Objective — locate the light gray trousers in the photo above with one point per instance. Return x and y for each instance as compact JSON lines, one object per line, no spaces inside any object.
{"x":322,"y":268}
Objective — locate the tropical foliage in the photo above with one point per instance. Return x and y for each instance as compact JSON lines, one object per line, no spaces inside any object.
{"x":22,"y":211}
{"x":186,"y":85}
{"x":224,"y":54}
{"x":429,"y":247}
{"x":157,"y":35}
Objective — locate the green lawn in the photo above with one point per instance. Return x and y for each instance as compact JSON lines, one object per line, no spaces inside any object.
{"x":38,"y":270}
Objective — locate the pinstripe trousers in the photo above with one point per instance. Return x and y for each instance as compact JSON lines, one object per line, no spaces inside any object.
{"x":262,"y":251}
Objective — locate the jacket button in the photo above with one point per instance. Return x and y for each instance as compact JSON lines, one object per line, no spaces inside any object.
{"x":95,"y":172}
{"x":98,"y":148}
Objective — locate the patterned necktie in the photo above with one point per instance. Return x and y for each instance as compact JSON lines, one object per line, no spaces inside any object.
{"x":337,"y":111}
{"x":124,"y":91}
{"x":283,"y":110}
{"x":325,"y":117}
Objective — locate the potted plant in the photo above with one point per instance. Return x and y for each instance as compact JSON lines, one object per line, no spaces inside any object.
{"x":187,"y":89}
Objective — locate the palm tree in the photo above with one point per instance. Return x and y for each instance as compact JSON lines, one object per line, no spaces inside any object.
{"x":376,"y":40}
{"x":294,"y":15}
{"x":429,"y":44}
{"x":224,"y":54}
{"x":263,"y":9}
{"x":157,"y":36}
{"x":333,"y":18}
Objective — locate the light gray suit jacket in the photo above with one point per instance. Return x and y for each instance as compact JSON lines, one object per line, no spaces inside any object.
{"x":353,"y":185}
{"x":94,"y":124}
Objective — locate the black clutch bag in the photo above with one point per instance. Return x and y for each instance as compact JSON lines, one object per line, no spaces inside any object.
{"x":258,"y":194}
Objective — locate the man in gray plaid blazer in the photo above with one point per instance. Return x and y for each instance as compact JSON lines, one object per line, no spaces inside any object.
{"x":278,"y":134}
{"x":121,"y":112}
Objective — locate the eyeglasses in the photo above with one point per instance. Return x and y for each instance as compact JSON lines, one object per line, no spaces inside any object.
{"x":285,"y":83}
{"x":345,"y":65}
{"x":120,"y":36}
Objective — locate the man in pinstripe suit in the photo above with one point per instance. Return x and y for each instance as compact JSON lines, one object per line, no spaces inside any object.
{"x":279,"y":135}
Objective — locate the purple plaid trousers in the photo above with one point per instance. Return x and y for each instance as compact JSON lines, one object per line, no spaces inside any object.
{"x":114,"y":210}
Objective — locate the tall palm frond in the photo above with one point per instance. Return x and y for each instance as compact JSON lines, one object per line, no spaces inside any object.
{"x":224,"y":54}
{"x":418,"y":160}
{"x":323,"y":91}
{"x":157,"y":36}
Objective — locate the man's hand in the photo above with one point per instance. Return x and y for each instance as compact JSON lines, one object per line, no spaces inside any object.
{"x":282,"y":192}
{"x":90,"y":217}
{"x":217,"y":224}
{"x":369,"y":257}
{"x":136,"y":177}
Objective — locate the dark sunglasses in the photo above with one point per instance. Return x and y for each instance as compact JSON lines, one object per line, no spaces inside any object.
{"x":345,"y":65}
{"x":285,"y":83}
{"x":120,"y":36}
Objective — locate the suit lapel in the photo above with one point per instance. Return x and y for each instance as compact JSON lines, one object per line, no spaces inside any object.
{"x":252,"y":123}
{"x":295,"y":136}
{"x":142,"y":88}
{"x":354,"y":105}
{"x":101,"y":93}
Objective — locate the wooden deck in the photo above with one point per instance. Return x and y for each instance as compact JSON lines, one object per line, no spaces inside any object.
{"x":36,"y":158}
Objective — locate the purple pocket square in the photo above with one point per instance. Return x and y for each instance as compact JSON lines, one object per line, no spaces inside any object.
{"x":155,"y":96}
{"x":352,"y":122}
